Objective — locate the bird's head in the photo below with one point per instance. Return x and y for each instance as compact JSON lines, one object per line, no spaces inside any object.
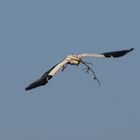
{"x":73,"y":59}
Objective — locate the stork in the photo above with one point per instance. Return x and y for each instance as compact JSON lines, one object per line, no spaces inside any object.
{"x":75,"y":60}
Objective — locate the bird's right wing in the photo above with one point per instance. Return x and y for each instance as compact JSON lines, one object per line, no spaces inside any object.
{"x":46,"y":76}
{"x":107,"y":54}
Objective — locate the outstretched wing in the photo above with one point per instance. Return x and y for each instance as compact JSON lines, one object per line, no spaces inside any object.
{"x":107,"y":54}
{"x":46,"y":76}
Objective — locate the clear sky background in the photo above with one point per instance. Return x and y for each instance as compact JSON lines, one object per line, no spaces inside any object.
{"x":37,"y":34}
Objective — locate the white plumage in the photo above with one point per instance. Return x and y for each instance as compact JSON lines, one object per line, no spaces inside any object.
{"x":75,"y":60}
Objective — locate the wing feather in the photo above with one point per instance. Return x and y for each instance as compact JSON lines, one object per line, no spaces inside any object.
{"x":117,"y":53}
{"x":107,"y":54}
{"x":46,"y":76}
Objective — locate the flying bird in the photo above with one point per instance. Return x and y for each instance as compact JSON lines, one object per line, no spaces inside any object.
{"x":75,"y":60}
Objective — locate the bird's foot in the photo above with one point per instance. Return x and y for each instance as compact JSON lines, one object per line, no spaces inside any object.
{"x":64,"y":67}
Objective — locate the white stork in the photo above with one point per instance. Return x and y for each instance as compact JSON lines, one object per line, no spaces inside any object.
{"x":75,"y":60}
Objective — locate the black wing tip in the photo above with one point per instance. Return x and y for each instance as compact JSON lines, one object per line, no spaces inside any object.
{"x":37,"y":83}
{"x":41,"y":82}
{"x":131,"y":49}
{"x":31,"y":87}
{"x":27,"y":89}
{"x":116,"y":54}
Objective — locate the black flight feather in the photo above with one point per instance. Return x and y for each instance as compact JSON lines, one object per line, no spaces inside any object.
{"x":117,"y":53}
{"x":41,"y":81}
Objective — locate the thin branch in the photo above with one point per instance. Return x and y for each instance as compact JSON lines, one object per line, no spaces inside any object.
{"x":88,"y":69}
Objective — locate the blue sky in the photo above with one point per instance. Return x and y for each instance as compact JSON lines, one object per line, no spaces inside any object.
{"x":35,"y":35}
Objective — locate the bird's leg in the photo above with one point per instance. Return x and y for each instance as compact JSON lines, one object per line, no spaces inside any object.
{"x":64,"y":67}
{"x":88,"y":69}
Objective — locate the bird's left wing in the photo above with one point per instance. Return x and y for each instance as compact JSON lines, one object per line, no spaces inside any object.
{"x":107,"y":54}
{"x":46,"y":76}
